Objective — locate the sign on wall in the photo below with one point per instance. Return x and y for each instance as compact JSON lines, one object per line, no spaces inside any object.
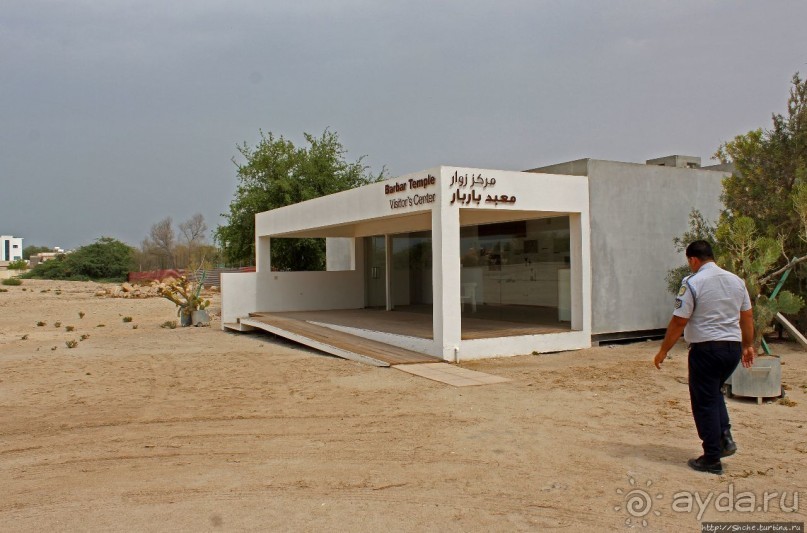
{"x":416,"y":198}
{"x":472,"y":189}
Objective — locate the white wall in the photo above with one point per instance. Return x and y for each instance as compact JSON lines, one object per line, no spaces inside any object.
{"x":340,"y":253}
{"x":524,"y":344}
{"x":238,"y":295}
{"x":309,"y":291}
{"x":248,"y":292}
{"x":345,"y":213}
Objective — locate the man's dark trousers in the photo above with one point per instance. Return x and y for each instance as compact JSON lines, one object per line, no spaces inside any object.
{"x":710,"y":365}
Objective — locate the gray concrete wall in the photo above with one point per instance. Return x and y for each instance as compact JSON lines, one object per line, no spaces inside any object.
{"x":579,"y":167}
{"x":636,"y":211}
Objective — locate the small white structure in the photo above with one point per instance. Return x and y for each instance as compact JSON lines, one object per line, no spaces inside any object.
{"x":10,"y":248}
{"x":501,"y":262}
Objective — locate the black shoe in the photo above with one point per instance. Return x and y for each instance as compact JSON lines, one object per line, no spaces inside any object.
{"x":702,"y":466}
{"x":727,"y":444}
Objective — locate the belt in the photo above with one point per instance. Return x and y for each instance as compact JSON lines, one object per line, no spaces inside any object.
{"x":714,"y":343}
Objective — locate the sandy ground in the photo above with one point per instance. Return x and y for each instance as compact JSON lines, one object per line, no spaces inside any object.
{"x":195,"y":429}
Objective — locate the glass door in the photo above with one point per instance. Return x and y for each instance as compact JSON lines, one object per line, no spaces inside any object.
{"x":375,"y":266}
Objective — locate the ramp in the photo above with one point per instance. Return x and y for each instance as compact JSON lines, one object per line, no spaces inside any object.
{"x":334,"y":342}
{"x":791,"y":329}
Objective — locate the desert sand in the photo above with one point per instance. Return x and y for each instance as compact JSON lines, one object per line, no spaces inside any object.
{"x":196,"y":429}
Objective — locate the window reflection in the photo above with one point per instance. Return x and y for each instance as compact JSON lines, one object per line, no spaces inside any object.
{"x":517,"y":271}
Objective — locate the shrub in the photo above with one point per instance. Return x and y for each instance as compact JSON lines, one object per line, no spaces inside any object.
{"x":3,"y":290}
{"x":24,"y":337}
{"x":69,"y":328}
{"x":40,"y":323}
{"x":106,"y":258}
{"x":85,"y":336}
{"x":71,"y":343}
{"x":57,"y":324}
{"x":127,"y":319}
{"x":19,"y":264}
{"x":169,"y":324}
{"x":81,"y":314}
{"x":134,"y":326}
{"x":12,"y":281}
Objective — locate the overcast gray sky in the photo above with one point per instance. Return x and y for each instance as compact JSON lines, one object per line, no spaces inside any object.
{"x":117,"y":113}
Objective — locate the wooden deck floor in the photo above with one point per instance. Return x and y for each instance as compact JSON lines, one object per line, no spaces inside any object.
{"x":335,"y":342}
{"x":304,"y":327}
{"x":418,"y":323}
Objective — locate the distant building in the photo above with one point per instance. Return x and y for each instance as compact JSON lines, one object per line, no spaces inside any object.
{"x":10,"y":248}
{"x":41,"y":257}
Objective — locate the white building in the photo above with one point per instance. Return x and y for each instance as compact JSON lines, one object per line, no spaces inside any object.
{"x":10,"y":248}
{"x":465,"y":263}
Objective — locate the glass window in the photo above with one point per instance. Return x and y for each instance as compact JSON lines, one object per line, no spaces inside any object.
{"x":412,"y":271}
{"x":517,"y":271}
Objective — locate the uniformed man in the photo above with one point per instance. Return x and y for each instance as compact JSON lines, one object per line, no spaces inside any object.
{"x":714,"y":312}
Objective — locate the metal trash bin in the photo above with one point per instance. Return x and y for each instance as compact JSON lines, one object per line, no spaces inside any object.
{"x":763,"y":380}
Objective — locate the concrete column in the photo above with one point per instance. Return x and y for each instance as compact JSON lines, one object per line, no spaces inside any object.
{"x":358,"y":248}
{"x":263,"y":254}
{"x":446,"y":279}
{"x":580,"y":258}
{"x":388,"y":270}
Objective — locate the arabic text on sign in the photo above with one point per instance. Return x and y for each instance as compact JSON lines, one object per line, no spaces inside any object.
{"x":475,"y":180}
{"x":504,"y":199}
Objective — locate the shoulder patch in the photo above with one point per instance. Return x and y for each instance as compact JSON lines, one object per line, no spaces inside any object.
{"x":682,"y":291}
{"x":678,"y":303}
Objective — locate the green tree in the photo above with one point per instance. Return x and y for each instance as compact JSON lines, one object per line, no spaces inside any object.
{"x":28,"y":251}
{"x":699,"y":229}
{"x":740,"y":248}
{"x":768,"y":164}
{"x":274,"y":174}
{"x":106,"y":258}
{"x":752,"y":257}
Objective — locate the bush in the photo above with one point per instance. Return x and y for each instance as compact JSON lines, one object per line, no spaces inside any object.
{"x":19,"y":264}
{"x":28,"y":251}
{"x":12,"y":281}
{"x":105,"y":259}
{"x":127,"y":319}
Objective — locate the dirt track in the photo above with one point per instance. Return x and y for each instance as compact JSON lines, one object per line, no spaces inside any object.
{"x":199,"y":430}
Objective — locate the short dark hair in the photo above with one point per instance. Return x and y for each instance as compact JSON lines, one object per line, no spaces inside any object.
{"x":700,"y":250}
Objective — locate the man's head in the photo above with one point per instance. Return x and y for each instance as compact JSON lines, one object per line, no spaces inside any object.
{"x":698,"y":253}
